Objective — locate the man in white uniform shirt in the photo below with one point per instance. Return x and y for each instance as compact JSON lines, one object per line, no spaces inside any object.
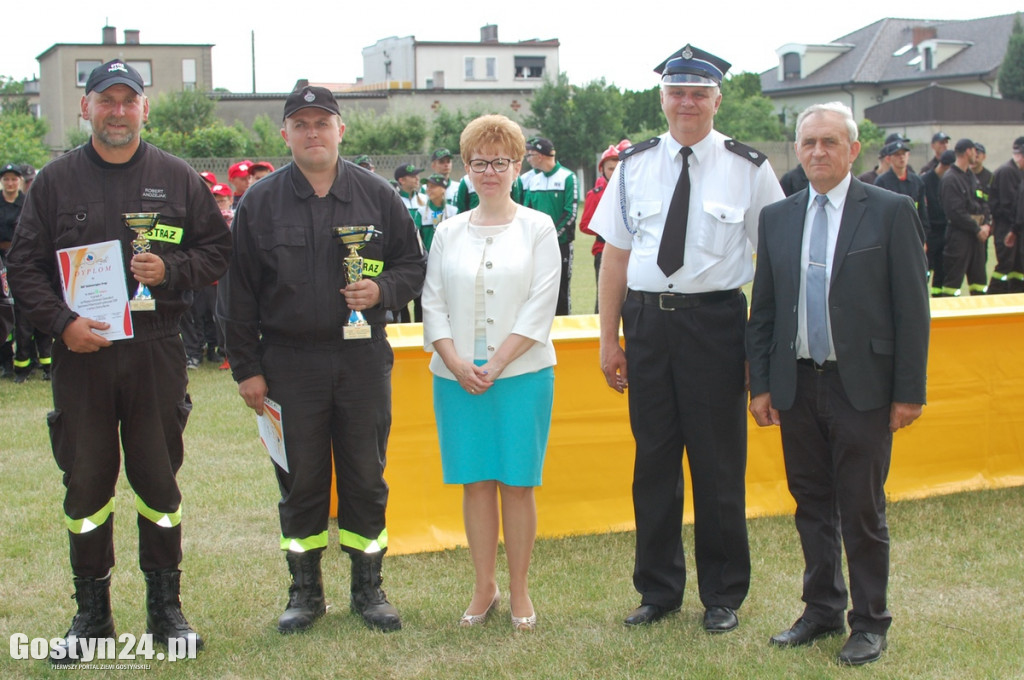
{"x":680,"y":223}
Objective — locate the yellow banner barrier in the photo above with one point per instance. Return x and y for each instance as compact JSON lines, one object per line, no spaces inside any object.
{"x":970,"y":436}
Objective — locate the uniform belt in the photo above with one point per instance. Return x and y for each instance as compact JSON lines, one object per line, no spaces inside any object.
{"x":820,"y":368}
{"x":674,"y":301}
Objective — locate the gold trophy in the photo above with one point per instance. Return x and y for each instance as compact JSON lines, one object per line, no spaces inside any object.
{"x":354,"y":238}
{"x":141,"y":223}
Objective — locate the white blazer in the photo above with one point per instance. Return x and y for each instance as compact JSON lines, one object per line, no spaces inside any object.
{"x":521,"y":271}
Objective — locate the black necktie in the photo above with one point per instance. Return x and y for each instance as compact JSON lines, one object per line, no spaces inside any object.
{"x":673,"y":238}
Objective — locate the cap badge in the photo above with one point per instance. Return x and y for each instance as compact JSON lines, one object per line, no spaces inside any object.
{"x":117,"y":66}
{"x":687,"y":53}
{"x":309,"y":96}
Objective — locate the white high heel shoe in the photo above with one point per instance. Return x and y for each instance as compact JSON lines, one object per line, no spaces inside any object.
{"x":477,"y":619}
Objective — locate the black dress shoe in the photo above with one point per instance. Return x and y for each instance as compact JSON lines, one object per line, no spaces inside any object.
{"x":646,"y":614}
{"x":720,"y":619}
{"x":862,"y":648}
{"x":804,"y":632}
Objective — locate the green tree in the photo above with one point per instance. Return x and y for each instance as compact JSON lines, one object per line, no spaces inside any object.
{"x":1011,"y":73}
{"x":447,"y":127}
{"x":21,"y":139}
{"x":367,"y":132}
{"x":182,"y":112}
{"x":642,"y":114}
{"x":580,"y":120}
{"x":746,"y":114}
{"x":11,"y":99}
{"x":21,"y":133}
{"x":216,"y":141}
{"x":870,"y":135}
{"x":267,"y":140}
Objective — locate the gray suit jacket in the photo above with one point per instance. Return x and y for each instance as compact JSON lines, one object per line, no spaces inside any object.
{"x":878,"y":300}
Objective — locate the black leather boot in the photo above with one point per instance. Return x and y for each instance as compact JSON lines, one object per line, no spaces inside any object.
{"x":306,"y":593}
{"x":368,"y":599}
{"x":163,"y":607}
{"x":93,"y":619}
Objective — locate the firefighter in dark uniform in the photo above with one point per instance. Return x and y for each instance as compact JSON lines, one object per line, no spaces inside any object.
{"x":283,"y":305}
{"x":33,"y":346}
{"x":1008,"y":275}
{"x":132,"y":389}
{"x":901,"y":179}
{"x":969,"y":224}
{"x":10,"y":209}
{"x":935,"y":237}
{"x":680,"y":222}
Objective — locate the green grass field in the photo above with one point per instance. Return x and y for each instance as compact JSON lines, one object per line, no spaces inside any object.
{"x":955,"y":592}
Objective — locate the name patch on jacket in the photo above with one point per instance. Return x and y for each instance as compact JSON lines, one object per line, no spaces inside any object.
{"x":372,"y":268}
{"x":166,"y":233}
{"x":150,"y":192}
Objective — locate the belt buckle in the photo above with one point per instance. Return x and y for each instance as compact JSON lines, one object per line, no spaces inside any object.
{"x":661,"y":302}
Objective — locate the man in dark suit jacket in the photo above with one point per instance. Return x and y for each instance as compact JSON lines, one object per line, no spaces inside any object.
{"x":866,"y":328}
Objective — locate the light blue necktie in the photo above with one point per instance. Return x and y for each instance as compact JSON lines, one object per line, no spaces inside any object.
{"x":817,"y":302}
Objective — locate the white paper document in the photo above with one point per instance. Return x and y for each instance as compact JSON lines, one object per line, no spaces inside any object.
{"x":93,"y":281}
{"x":272,"y":433}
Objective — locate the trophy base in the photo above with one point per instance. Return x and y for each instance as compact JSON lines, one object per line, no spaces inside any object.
{"x":142,"y":305}
{"x":360,"y":331}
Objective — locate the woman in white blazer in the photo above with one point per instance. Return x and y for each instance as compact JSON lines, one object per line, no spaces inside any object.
{"x":488,"y":303}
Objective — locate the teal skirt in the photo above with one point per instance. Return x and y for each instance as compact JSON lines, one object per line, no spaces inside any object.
{"x":501,"y":434}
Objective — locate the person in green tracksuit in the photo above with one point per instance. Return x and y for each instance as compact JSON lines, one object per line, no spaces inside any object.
{"x":551,"y":189}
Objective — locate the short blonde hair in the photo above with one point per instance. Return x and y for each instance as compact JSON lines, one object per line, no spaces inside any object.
{"x":493,"y":131}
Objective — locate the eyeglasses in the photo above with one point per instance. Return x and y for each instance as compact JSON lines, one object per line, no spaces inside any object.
{"x":479,"y":165}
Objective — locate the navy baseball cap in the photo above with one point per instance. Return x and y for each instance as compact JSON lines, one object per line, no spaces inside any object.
{"x":541,"y":145}
{"x":692,"y":66}
{"x":311,"y":96}
{"x":406,"y":170}
{"x":114,"y":72}
{"x":963,"y":145}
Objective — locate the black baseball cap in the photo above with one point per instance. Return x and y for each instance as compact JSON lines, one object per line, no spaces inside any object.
{"x":1018,"y":145}
{"x":311,"y":96}
{"x":894,"y":147}
{"x":439,"y":154}
{"x":541,"y":145}
{"x":438,"y":179}
{"x":947,"y":158}
{"x":406,"y":170}
{"x":963,"y":145}
{"x":114,"y":72}
{"x":940,"y":137}
{"x":11,"y":167}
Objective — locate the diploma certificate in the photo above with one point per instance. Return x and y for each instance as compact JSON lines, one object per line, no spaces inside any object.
{"x":272,"y":433}
{"x":93,"y":280}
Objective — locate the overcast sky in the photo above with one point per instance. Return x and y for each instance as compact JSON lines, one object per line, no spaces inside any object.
{"x":322,"y":41}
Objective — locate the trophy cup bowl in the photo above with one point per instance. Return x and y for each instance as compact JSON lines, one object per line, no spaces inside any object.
{"x":141,"y":223}
{"x":354,"y":238}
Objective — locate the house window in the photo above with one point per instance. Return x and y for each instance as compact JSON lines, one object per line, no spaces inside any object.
{"x":83,"y":68}
{"x":791,"y":66}
{"x":145,"y":69}
{"x":529,"y":67}
{"x":470,"y":63}
{"x":492,"y":68}
{"x":188,"y":74}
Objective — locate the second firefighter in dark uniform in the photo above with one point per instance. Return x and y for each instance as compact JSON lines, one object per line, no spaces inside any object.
{"x":969,"y":224}
{"x":283,"y":306}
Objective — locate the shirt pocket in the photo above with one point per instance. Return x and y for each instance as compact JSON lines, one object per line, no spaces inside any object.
{"x":73,"y":223}
{"x":645,"y":218}
{"x":284,"y":249}
{"x":722,"y":227}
